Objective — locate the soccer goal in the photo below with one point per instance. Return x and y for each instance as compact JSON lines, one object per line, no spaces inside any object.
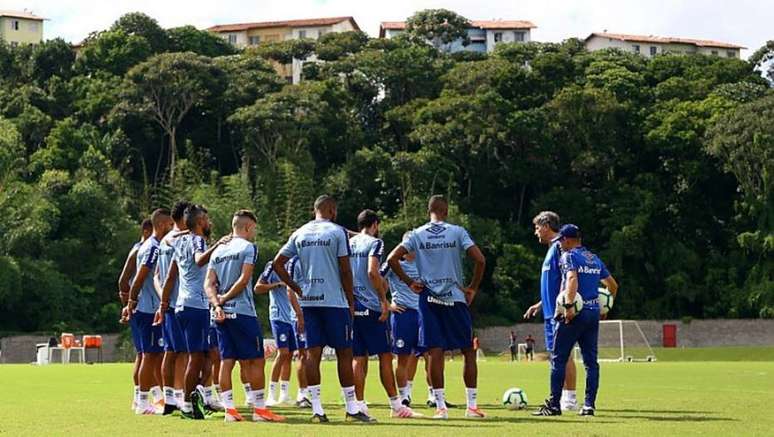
{"x":623,"y":341}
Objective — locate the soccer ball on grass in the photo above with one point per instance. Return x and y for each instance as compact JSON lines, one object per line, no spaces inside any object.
{"x":515,"y":399}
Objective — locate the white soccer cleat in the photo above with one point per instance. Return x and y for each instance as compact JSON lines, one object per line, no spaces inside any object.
{"x":569,"y":405}
{"x":474,"y":413}
{"x":147,"y":411}
{"x":405,"y":413}
{"x":441,"y":413}
{"x":216,"y":406}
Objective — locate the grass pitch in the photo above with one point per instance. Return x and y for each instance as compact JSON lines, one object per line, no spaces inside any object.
{"x":664,"y":398}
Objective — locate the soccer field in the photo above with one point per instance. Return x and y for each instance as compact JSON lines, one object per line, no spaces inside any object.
{"x":662,"y":398}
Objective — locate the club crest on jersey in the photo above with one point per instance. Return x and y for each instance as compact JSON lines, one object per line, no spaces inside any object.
{"x":400,"y":343}
{"x":283,"y":337}
{"x":436,"y":229}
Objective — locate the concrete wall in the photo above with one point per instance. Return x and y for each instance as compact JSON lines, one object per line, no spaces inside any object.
{"x":21,"y":348}
{"x":698,"y":333}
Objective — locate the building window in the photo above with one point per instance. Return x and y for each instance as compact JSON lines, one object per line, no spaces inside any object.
{"x":636,"y":48}
{"x":301,"y":34}
{"x":14,"y":24}
{"x":498,"y":36}
{"x":232,"y":38}
{"x":731,"y":54}
{"x":518,"y":36}
{"x":714,"y":53}
{"x":653,"y":50}
{"x":253,"y":40}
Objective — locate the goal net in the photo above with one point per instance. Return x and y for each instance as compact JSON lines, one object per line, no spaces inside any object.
{"x":622,"y":341}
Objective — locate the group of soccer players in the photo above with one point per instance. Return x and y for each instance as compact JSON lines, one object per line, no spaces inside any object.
{"x":193,"y":317}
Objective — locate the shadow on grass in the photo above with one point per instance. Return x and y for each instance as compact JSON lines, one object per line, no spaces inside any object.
{"x":681,"y":418}
{"x":639,"y":410}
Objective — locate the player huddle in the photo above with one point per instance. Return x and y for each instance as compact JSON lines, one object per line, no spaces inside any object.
{"x":193,"y":317}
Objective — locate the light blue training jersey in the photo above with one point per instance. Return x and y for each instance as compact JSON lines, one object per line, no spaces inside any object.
{"x":319,"y":244}
{"x":191,"y":276}
{"x":148,"y":255}
{"x":439,"y":248}
{"x":402,"y":294}
{"x":227,"y":261}
{"x":362,"y":248}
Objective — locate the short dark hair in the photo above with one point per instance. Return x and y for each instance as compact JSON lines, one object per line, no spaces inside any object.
{"x":147,"y":224}
{"x":366,"y":219}
{"x":243,"y":214}
{"x":437,"y":203}
{"x":192,"y":213}
{"x":324,"y":201}
{"x":549,"y":218}
{"x":158,"y":215}
{"x":178,"y":210}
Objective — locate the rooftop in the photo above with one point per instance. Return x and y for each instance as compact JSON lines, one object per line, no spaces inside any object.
{"x":309,"y":22}
{"x":21,"y":14}
{"x":481,"y":24}
{"x":665,"y":40}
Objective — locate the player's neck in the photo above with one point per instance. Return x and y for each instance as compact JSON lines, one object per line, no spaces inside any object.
{"x":437,"y":218}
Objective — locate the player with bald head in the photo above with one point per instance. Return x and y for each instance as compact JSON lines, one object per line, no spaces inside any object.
{"x":444,"y":315}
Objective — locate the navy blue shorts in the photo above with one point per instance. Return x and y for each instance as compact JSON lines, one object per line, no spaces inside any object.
{"x":212,"y":337}
{"x":150,"y":338}
{"x":240,"y":338}
{"x":549,"y":329}
{"x":300,"y":337}
{"x":328,"y":326}
{"x":405,"y":332}
{"x":174,"y":340}
{"x":446,"y":325}
{"x":135,"y":334}
{"x":284,"y":335}
{"x":369,"y":335}
{"x":195,"y":324}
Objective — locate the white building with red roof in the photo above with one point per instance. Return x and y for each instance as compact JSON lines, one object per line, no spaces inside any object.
{"x":651,"y":45}
{"x":484,"y":35}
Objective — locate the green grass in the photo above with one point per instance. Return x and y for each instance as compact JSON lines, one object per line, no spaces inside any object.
{"x":662,"y":398}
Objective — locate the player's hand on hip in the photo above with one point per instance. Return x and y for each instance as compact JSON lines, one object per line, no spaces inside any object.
{"x":300,"y":324}
{"x":470,"y":294}
{"x":416,"y":287}
{"x":397,"y":309}
{"x":385,"y":311}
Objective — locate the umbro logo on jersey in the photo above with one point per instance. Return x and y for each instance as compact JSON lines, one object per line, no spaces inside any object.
{"x":436,"y":229}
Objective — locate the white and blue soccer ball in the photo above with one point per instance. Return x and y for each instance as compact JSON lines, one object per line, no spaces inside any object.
{"x":605,"y":300}
{"x":515,"y":399}
{"x":562,"y":300}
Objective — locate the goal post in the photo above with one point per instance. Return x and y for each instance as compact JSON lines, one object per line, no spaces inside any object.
{"x":623,"y":341}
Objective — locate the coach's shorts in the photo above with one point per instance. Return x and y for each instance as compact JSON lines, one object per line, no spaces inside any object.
{"x":369,"y":335}
{"x":447,"y":325}
{"x":328,"y":326}
{"x":549,"y":329}
{"x":195,"y":324}
{"x":174,"y":340}
{"x":300,"y":337}
{"x":149,"y":337}
{"x":284,"y":335}
{"x":405,"y":332}
{"x":240,"y":338}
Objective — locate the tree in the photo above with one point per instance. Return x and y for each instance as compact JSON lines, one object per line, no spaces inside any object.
{"x":52,"y":58}
{"x":763,"y":60}
{"x":167,"y":86}
{"x":335,"y":45}
{"x":114,"y":51}
{"x":439,"y":27}
{"x":139,"y":24}
{"x":202,"y":42}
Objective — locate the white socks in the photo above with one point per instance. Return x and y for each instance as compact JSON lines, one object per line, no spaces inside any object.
{"x":349,"y":397}
{"x":157,"y":393}
{"x":403,"y":392}
{"x":272,"y":389}
{"x":257,"y":397}
{"x":302,"y":394}
{"x":409,"y":388}
{"x":430,"y":395}
{"x":208,"y":395}
{"x":143,"y":401}
{"x":136,"y":395}
{"x":569,"y":396}
{"x":187,"y":407}
{"x":247,"y":388}
{"x":440,"y":398}
{"x":472,"y":394}
{"x":314,"y":393}
{"x":395,"y":403}
{"x":169,"y":396}
{"x":228,"y":398}
{"x":284,"y":389}
{"x":179,"y":397}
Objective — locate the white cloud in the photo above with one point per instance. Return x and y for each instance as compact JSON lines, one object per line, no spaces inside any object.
{"x":747,"y":22}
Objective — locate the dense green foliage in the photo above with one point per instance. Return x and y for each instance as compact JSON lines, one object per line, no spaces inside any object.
{"x":666,"y":163}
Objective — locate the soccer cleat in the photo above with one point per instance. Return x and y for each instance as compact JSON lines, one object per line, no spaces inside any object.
{"x":406,"y":402}
{"x":169,"y":409}
{"x":147,"y":411}
{"x":360,"y":417}
{"x":284,"y":400}
{"x":547,"y":410}
{"x":474,"y":413}
{"x":216,"y":406}
{"x":304,"y":403}
{"x":405,"y":413}
{"x":199,"y":411}
{"x":266,"y":415}
{"x":570,"y":405}
{"x":586,"y":411}
{"x":271,"y":402}
{"x":232,"y":415}
{"x":431,"y":404}
{"x":320,"y":418}
{"x":187,"y":415}
{"x":441,"y":413}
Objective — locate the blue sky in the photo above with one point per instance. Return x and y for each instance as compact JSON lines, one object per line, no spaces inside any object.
{"x":745,"y":22}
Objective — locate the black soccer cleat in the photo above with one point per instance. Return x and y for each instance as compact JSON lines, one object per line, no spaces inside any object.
{"x":586,"y":411}
{"x":360,"y":417}
{"x":169,"y":409}
{"x":304,"y":403}
{"x":547,"y":410}
{"x":320,"y":418}
{"x":199,"y":411}
{"x":431,"y":404}
{"x":406,"y":402}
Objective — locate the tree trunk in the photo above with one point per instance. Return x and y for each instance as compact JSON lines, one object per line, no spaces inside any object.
{"x":172,"y":154}
{"x":521,"y":202}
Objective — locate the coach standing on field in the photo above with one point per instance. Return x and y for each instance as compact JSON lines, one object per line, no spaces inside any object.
{"x":546,"y":229}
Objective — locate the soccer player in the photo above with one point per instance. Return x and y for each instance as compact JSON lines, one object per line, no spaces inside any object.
{"x":173,"y":364}
{"x":581,"y":273}
{"x":287,"y":321}
{"x":404,"y":323}
{"x":124,"y":283}
{"x":189,"y":263}
{"x":326,"y":301}
{"x":546,"y":229}
{"x":141,"y":306}
{"x":444,"y":314}
{"x":230,"y":292}
{"x":371,"y":330}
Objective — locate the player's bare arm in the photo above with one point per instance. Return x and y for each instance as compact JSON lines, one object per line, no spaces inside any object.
{"x":203,"y":258}
{"x":345,"y":270}
{"x":211,"y":288}
{"x":475,"y":254}
{"x":393,"y":259}
{"x":126,"y":274}
{"x":239,"y":285}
